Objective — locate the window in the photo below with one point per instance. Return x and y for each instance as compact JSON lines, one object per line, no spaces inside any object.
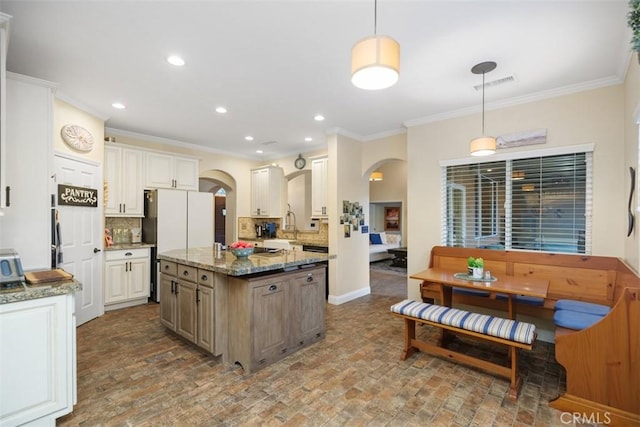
{"x":536,"y":203}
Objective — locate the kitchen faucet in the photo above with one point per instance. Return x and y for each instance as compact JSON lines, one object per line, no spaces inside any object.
{"x":287,"y":220}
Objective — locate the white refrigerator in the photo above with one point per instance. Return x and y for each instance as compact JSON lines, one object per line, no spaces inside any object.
{"x":175,"y":219}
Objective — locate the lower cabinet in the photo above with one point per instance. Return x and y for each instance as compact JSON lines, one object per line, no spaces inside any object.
{"x":187,"y":303}
{"x":274,"y":316}
{"x":38,"y":369}
{"x":126,"y":278}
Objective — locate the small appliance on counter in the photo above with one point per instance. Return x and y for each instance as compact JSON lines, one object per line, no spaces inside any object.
{"x":11,"y":273}
{"x":136,"y":235}
{"x":270,"y":230}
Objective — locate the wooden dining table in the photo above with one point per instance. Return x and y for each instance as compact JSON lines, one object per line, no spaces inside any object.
{"x":510,"y":286}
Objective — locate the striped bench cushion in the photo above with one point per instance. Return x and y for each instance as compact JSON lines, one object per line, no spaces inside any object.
{"x":512,"y":330}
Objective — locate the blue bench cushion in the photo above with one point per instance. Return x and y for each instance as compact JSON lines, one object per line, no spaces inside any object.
{"x":466,"y":291}
{"x":574,"y":319}
{"x":523,"y":299}
{"x":512,"y":330}
{"x":582,"y":307}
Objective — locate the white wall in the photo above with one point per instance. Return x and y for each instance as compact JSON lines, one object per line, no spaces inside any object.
{"x":594,"y":116}
{"x":631,"y":142}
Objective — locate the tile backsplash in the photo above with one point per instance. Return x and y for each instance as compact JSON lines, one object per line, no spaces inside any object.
{"x":247,"y":230}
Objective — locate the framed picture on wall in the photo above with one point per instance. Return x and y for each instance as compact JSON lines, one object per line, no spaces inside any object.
{"x":392,"y":218}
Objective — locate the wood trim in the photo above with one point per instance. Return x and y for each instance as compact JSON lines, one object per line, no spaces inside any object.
{"x":593,"y":412}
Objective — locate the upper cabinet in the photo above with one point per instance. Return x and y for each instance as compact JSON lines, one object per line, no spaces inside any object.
{"x":268,"y":189}
{"x":319,"y":187}
{"x":169,"y":171}
{"x":4,"y":40}
{"x":123,"y":176}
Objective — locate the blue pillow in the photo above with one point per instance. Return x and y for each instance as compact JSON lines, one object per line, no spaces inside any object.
{"x":582,"y":307}
{"x":375,"y":239}
{"x":574,"y":319}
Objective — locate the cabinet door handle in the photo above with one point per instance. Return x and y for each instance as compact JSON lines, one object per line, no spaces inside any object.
{"x":177,"y":288}
{"x":273,"y":288}
{"x":124,"y":208}
{"x":128,"y":254}
{"x":7,"y":194}
{"x":173,"y":287}
{"x":197,"y":296}
{"x":310,"y":277}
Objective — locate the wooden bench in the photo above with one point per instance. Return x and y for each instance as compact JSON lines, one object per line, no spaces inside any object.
{"x":603,"y":369}
{"x":510,"y":333}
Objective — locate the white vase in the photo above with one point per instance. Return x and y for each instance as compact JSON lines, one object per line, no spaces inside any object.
{"x":478,"y":272}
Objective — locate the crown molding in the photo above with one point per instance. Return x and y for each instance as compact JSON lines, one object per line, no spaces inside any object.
{"x":539,"y":96}
{"x":32,"y":81}
{"x":367,"y":138}
{"x":81,"y":106}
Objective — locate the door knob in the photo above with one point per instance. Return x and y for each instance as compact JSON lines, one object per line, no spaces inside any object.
{"x":96,"y":250}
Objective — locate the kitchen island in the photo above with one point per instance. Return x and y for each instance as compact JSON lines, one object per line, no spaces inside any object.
{"x":38,"y":352}
{"x":252,"y":311}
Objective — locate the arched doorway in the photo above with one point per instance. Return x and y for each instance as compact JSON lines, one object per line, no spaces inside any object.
{"x":222,"y":185}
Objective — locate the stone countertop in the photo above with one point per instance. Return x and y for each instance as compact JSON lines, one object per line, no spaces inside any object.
{"x":28,"y":291}
{"x":125,"y":246}
{"x":293,"y":242}
{"x":225,"y":262}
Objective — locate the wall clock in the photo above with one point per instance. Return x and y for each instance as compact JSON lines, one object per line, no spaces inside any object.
{"x":77,"y":137}
{"x":300,"y":162}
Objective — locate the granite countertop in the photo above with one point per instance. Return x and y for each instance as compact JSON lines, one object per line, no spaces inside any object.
{"x":28,"y":291}
{"x":225,"y":262}
{"x":293,"y":242}
{"x":125,"y":246}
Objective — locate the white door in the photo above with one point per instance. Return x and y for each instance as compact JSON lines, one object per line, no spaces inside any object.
{"x":81,"y":236}
{"x":172,"y":220}
{"x":199,"y":219}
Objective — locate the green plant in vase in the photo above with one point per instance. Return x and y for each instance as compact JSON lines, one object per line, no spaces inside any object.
{"x":475,"y":267}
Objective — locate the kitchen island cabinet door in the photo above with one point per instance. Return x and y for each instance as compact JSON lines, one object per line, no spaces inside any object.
{"x":308,"y":311}
{"x":168,"y":301}
{"x":206,"y":318}
{"x":186,"y":301}
{"x":269,"y":322}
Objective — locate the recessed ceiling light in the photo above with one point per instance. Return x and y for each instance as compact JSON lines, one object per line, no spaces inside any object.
{"x":318,"y":117}
{"x":221,"y":110}
{"x":308,"y":139}
{"x":259,"y":151}
{"x":175,"y":60}
{"x":248,"y":138}
{"x":118,"y":105}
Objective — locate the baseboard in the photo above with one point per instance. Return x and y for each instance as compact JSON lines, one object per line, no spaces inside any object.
{"x":341,"y":299}
{"x":587,"y":411}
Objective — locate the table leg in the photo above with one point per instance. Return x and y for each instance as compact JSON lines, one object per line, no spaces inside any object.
{"x":512,"y":306}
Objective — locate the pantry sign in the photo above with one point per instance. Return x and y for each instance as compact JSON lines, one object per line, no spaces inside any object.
{"x":69,"y":195}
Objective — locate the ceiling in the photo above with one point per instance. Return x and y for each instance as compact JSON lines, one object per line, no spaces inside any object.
{"x":276,"y":64}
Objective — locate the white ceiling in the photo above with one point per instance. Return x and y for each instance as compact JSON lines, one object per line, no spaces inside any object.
{"x":275,"y":64}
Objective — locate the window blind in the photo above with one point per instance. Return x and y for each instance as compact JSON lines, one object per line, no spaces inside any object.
{"x":535,"y":203}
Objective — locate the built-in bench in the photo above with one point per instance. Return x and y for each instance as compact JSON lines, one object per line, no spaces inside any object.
{"x":601,"y":360}
{"x":512,"y":333}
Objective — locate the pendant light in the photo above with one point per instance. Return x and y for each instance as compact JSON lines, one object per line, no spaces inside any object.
{"x":483,"y":145}
{"x":376,"y":176}
{"x":375,"y":60}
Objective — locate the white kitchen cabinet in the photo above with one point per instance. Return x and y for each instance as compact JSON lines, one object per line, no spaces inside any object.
{"x":319,"y":185}
{"x":26,"y":224}
{"x":126,"y":278}
{"x":125,"y":187}
{"x":169,"y":171}
{"x":37,"y":360}
{"x":268,"y":192}
{"x":4,"y":44}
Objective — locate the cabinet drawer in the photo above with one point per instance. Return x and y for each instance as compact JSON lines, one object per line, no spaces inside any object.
{"x":188,"y":273}
{"x":168,"y":267}
{"x":126,"y":254}
{"x":205,"y":278}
